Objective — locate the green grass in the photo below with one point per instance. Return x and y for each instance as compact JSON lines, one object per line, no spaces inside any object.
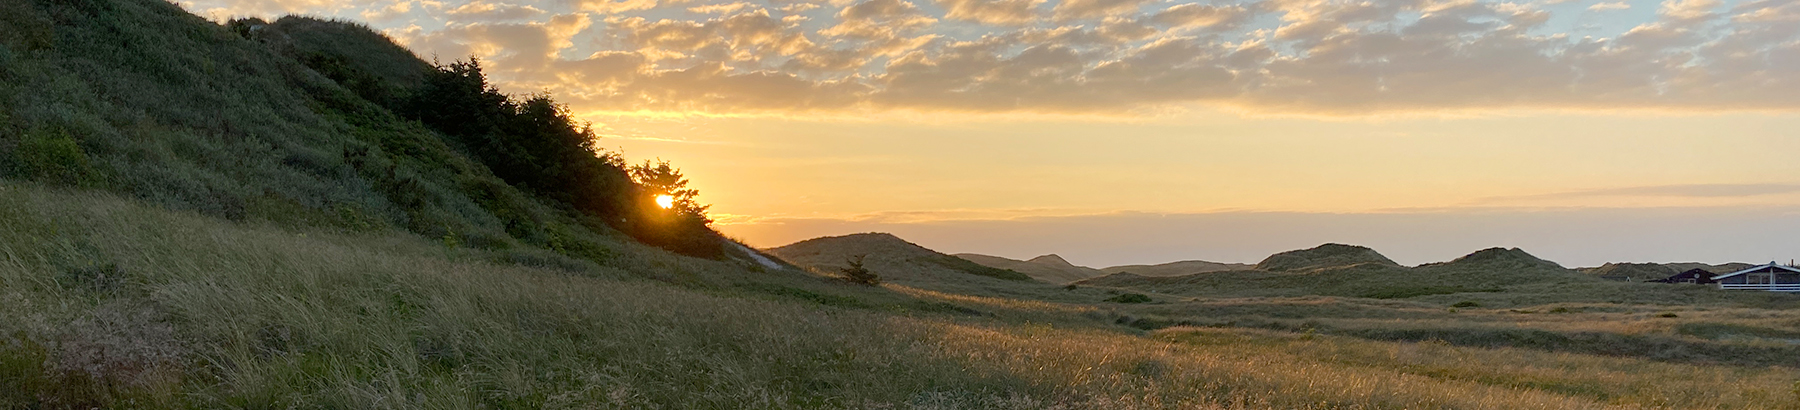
{"x":1402,"y":292}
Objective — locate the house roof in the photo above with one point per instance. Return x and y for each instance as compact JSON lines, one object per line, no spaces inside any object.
{"x":1758,"y":268}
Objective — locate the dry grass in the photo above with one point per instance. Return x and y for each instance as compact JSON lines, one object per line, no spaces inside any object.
{"x":113,"y":304}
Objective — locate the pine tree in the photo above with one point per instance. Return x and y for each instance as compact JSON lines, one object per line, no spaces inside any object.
{"x":858,"y":274}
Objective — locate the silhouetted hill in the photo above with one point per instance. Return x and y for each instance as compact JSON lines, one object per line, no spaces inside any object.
{"x":1051,"y":260}
{"x":1343,"y":270}
{"x":1722,"y":268}
{"x":1322,"y":256}
{"x":1632,"y":271}
{"x":1498,"y":259}
{"x":894,"y":259}
{"x":1178,"y":268}
{"x":1049,"y":268}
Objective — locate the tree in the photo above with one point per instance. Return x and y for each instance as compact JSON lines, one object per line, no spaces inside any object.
{"x":858,"y":274}
{"x":659,"y":178}
{"x":682,"y":225}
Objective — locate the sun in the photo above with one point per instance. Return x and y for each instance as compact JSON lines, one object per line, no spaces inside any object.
{"x":665,"y":201}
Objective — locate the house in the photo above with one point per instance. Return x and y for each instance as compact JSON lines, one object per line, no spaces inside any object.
{"x":1701,"y":276}
{"x":1773,"y":277}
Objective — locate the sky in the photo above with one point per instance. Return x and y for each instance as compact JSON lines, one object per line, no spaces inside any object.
{"x":1144,"y":131}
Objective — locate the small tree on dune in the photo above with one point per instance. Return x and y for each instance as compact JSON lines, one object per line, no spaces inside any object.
{"x":659,"y":178}
{"x":668,"y":215}
{"x":858,"y":274}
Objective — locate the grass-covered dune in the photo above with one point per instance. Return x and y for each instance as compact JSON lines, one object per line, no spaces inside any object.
{"x":113,"y":303}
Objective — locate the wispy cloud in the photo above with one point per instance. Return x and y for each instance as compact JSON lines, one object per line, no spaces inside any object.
{"x":1666,"y":191}
{"x":1612,"y":6}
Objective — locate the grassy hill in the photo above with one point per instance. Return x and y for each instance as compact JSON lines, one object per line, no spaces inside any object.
{"x":1178,"y":268}
{"x":1631,"y":271}
{"x":895,"y":260}
{"x":1047,"y":268}
{"x":1355,"y":271}
{"x":1325,"y":256}
{"x":1649,"y":271}
{"x":144,"y":99}
{"x":1719,"y":268}
{"x":265,"y":215}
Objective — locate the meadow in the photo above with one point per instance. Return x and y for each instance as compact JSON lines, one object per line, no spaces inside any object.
{"x":118,"y":304}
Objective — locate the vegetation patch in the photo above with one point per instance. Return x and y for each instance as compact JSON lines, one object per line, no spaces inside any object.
{"x":1130,"y":298}
{"x":1415,"y":291}
{"x":982,"y":270}
{"x":794,"y":293}
{"x":1714,"y":330}
{"x":52,"y":156}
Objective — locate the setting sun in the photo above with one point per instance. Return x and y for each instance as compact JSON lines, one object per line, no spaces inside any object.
{"x":665,"y":201}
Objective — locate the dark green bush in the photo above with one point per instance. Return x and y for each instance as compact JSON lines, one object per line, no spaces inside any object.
{"x":1130,"y":298}
{"x":1466,"y":304}
{"x":52,"y":156}
{"x":26,"y":27}
{"x":856,"y":273}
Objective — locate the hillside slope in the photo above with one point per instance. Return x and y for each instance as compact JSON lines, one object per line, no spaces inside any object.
{"x":298,"y":123}
{"x":895,"y":260}
{"x":1048,"y":268}
{"x":1177,"y":268}
{"x":1329,"y":255}
{"x":1354,"y":271}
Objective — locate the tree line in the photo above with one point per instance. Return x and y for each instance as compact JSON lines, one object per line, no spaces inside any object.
{"x":535,"y":144}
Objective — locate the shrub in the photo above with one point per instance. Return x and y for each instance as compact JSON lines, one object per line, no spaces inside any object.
{"x":1130,"y":298}
{"x":26,"y":27}
{"x":52,"y":156}
{"x":1466,"y":303}
{"x":856,"y":273}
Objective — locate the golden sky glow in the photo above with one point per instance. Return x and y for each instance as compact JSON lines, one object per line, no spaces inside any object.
{"x":1421,"y":126}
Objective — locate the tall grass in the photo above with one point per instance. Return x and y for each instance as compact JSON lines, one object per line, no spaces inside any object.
{"x":114,"y":304}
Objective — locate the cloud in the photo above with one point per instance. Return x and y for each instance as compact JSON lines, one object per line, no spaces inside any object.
{"x":613,"y":6}
{"x":1118,"y":57}
{"x":1083,"y":9}
{"x":995,"y":12}
{"x":1199,"y":15}
{"x":1687,"y":191}
{"x":726,"y":8}
{"x":491,"y":12}
{"x":390,"y":12}
{"x":1613,"y":6}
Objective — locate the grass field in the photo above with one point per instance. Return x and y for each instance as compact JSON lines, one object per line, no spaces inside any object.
{"x":114,"y":303}
{"x":200,"y":218}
